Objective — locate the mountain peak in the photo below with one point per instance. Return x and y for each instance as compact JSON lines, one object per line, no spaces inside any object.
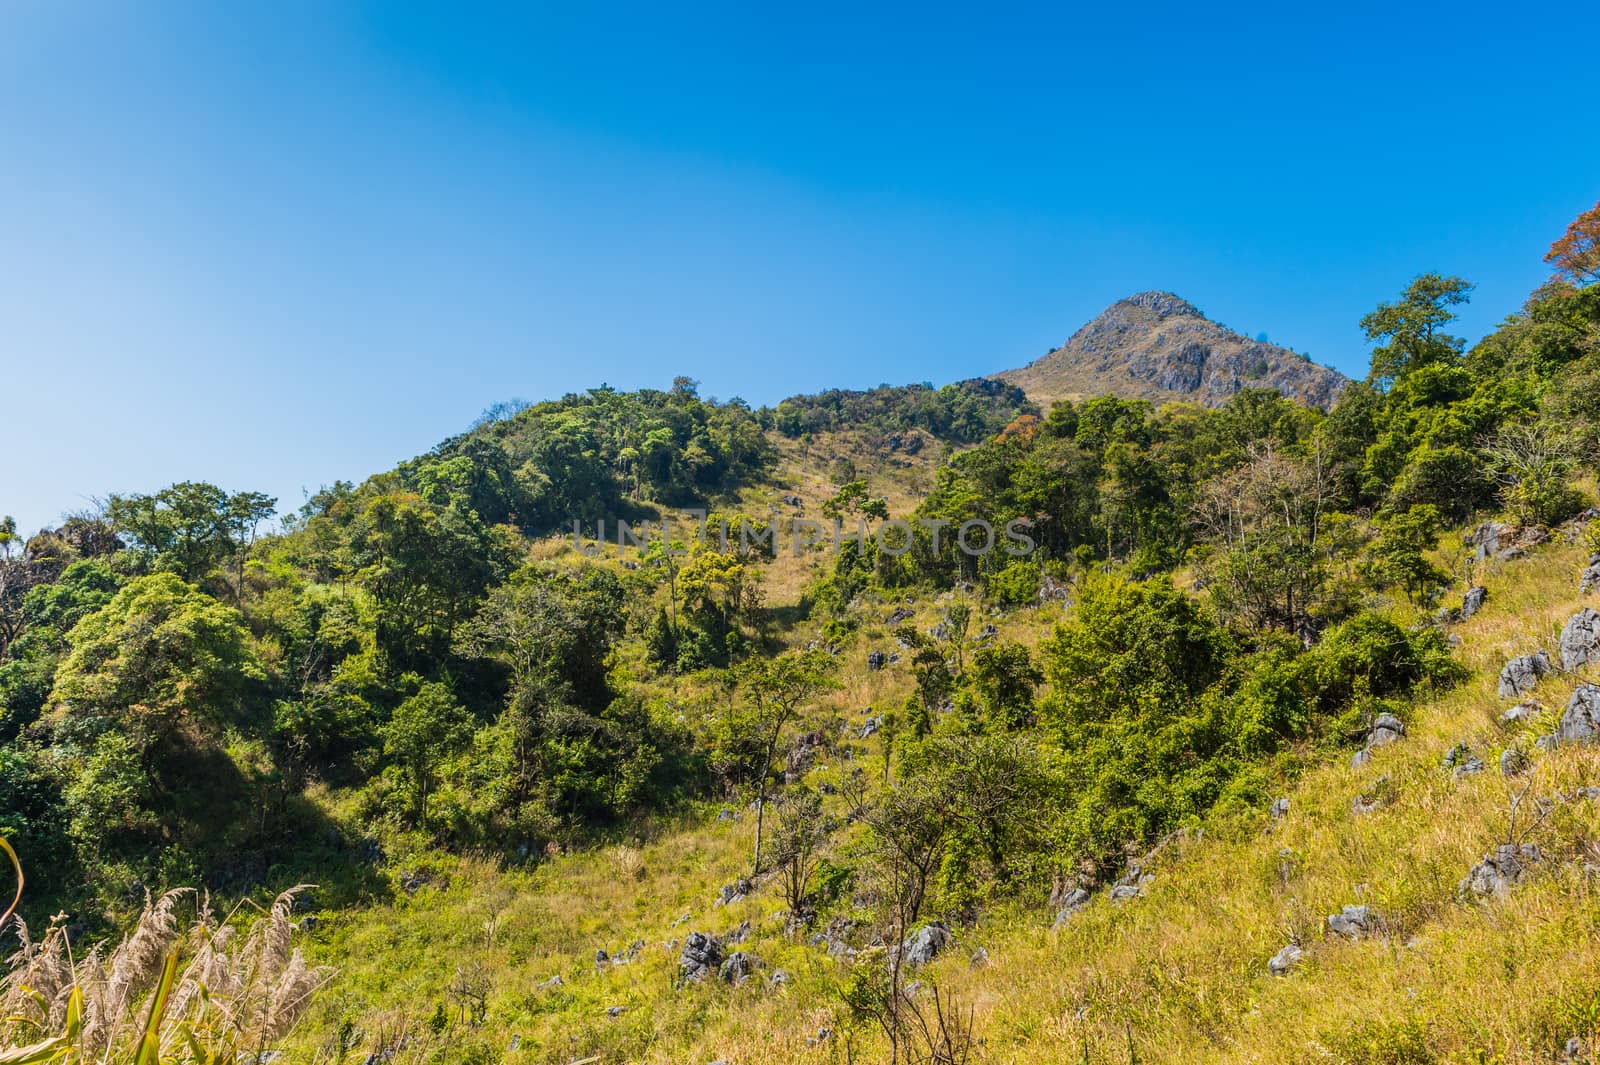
{"x":1156,"y":345}
{"x":1164,"y":304}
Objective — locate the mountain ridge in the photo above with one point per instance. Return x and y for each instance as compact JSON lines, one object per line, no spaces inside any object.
{"x":1157,"y":346}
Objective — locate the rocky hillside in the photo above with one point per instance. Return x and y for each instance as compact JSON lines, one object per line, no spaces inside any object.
{"x":1157,"y":346}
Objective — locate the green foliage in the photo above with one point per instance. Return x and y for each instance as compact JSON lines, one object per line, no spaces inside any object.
{"x":151,"y":685}
{"x":1400,"y":554}
{"x":965,"y":413}
{"x":1410,"y":327}
{"x":191,"y":527}
{"x":425,"y":730}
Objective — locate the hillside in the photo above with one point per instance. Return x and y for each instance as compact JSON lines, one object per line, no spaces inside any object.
{"x":1158,"y":347}
{"x":960,"y":731}
{"x":1178,"y":972}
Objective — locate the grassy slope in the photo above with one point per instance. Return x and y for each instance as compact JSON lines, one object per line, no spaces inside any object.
{"x":1179,"y":975}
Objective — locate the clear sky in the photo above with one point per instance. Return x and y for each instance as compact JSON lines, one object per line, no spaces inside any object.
{"x":271,"y":245}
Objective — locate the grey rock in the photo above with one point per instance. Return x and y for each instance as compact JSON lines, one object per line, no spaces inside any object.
{"x":734,"y":892}
{"x":552,"y":983}
{"x":1473,"y":601}
{"x":1591,"y":577}
{"x":1580,"y":721}
{"x":877,"y":660}
{"x":1052,"y":590}
{"x":779,"y":978}
{"x":1513,"y":762}
{"x":1286,"y":959}
{"x":1361,"y":758}
{"x":1075,"y":901}
{"x":701,"y":954}
{"x":1489,"y":538}
{"x":1472,"y":766}
{"x":1365,"y":804}
{"x":1499,"y":872}
{"x":1523,"y":711}
{"x":1388,"y":723}
{"x":1124,"y":892}
{"x":926,"y":943}
{"x":980,"y":958}
{"x":871,"y":727}
{"x":899,"y":617}
{"x":1521,"y":674}
{"x":1353,"y":922}
{"x":988,"y":632}
{"x":1280,"y":809}
{"x":1580,"y":640}
{"x":615,"y":1011}
{"x":739,"y":967}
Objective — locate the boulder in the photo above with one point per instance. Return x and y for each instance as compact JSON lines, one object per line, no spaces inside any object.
{"x":1591,"y":577}
{"x":988,"y":632}
{"x":980,"y":958}
{"x":1499,"y":872}
{"x":1489,"y":538}
{"x":872,"y":725}
{"x":734,"y":892}
{"x":1286,"y":959}
{"x":1580,"y":721}
{"x":1580,"y":640}
{"x":1280,"y":809}
{"x":1461,"y":761}
{"x":1521,"y":674}
{"x":900,"y":616}
{"x":1124,"y":892}
{"x":739,"y":967}
{"x":1386,"y":729}
{"x":926,"y":943}
{"x":1052,"y":590}
{"x":1526,"y":710}
{"x":1353,"y":922}
{"x":1075,"y":901}
{"x":701,"y":954}
{"x":1513,"y":762}
{"x":877,"y":660}
{"x":1473,"y":601}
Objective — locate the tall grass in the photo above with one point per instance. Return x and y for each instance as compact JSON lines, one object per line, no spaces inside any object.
{"x":190,"y":992}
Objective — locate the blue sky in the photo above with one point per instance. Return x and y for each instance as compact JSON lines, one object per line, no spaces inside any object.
{"x":275,"y":245}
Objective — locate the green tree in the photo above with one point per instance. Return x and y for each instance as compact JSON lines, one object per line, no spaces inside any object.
{"x":776,"y":690}
{"x":1399,"y":556}
{"x":1005,"y":678}
{"x":424,"y":730}
{"x":1410,"y":328}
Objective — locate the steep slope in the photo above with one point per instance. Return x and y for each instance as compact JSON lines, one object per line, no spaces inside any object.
{"x":1177,"y":973}
{"x":1159,"y":347}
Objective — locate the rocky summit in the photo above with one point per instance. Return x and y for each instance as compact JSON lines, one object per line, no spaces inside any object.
{"x":1159,"y":347}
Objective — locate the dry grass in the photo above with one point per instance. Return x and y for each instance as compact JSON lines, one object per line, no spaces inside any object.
{"x":1178,"y":975}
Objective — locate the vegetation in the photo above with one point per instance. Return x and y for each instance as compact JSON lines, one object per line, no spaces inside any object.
{"x":1101,"y":645}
